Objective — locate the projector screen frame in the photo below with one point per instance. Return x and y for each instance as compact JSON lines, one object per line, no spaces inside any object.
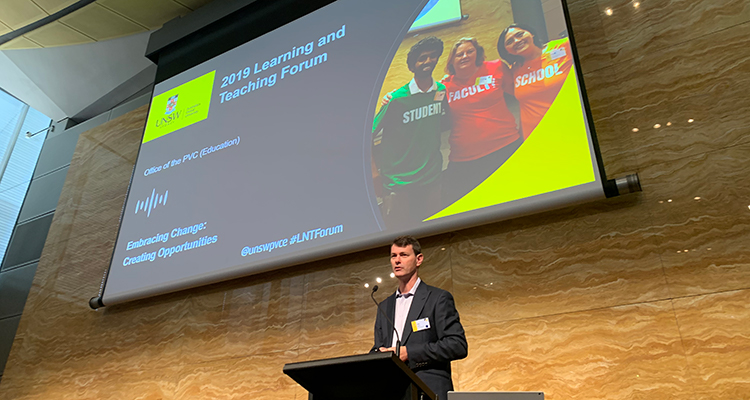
{"x":174,"y":56}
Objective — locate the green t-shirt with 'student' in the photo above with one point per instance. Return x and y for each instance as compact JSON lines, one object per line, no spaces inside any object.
{"x":407,"y":136}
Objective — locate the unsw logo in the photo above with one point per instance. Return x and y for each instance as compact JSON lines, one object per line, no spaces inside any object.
{"x":170,"y":114}
{"x":171,"y":105}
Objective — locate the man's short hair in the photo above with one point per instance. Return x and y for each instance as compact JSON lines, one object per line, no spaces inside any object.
{"x":430,"y":43}
{"x":403,"y":241}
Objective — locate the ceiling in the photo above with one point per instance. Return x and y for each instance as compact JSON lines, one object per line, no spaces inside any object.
{"x":100,"y":20}
{"x":78,"y":58}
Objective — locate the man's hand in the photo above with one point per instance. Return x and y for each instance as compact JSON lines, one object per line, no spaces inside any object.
{"x":386,"y":99}
{"x":403,"y":355}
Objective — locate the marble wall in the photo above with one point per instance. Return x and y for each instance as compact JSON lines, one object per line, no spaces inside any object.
{"x":645,"y":296}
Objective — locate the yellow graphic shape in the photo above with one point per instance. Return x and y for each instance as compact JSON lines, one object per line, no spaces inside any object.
{"x":193,"y":101}
{"x":556,"y":156}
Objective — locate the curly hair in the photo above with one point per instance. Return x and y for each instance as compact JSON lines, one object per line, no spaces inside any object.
{"x":430,"y":43}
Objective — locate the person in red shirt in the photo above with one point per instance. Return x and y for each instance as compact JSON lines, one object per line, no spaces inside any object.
{"x":484,"y":133}
{"x":539,"y":71}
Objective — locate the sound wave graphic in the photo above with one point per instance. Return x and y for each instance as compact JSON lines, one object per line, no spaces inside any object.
{"x":151,"y":202}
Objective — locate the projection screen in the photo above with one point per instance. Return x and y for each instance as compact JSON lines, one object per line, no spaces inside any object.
{"x":282,"y":150}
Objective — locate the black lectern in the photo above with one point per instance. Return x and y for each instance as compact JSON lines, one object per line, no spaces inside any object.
{"x":374,"y":376}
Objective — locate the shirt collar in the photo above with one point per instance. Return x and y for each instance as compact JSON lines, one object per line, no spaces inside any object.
{"x":413,"y":288}
{"x":414,"y":89}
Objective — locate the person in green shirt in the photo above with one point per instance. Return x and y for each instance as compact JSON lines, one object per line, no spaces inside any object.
{"x":406,"y":148}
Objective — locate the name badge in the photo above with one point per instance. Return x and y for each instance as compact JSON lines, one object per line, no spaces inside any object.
{"x":420,"y":325}
{"x":558,"y":53}
{"x":484,"y":80}
{"x":439,"y":95}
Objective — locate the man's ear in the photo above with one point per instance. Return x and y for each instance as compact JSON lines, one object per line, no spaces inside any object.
{"x":420,"y":258}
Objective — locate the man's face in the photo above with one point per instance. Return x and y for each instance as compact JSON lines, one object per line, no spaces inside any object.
{"x":403,"y":261}
{"x":426,"y":62}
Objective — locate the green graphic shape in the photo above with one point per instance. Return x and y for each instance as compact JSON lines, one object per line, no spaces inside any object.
{"x":555,"y":156}
{"x":193,"y":101}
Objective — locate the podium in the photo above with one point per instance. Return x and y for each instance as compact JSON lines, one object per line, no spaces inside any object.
{"x":374,"y":376}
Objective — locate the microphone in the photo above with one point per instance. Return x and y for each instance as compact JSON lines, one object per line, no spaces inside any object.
{"x":398,"y":339}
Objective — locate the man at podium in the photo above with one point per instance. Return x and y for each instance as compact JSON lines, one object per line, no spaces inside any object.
{"x":425,"y":319}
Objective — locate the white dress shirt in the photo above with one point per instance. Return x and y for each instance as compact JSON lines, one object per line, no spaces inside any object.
{"x":414,"y":88}
{"x":403,"y":304}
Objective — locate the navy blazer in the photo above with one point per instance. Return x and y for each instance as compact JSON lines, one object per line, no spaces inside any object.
{"x":430,"y":351}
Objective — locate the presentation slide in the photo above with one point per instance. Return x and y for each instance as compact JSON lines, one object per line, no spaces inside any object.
{"x":343,"y":130}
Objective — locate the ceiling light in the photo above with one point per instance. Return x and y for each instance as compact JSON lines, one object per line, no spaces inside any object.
{"x":608,"y":11}
{"x":657,"y":126}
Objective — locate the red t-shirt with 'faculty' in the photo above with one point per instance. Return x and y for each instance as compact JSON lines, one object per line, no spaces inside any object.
{"x":482,"y":123}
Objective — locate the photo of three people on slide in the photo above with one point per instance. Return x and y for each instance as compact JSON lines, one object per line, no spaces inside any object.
{"x":470,"y":103}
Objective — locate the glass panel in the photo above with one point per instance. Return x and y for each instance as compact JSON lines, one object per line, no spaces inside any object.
{"x":26,"y":152}
{"x":17,"y":176}
{"x":10,"y":107}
